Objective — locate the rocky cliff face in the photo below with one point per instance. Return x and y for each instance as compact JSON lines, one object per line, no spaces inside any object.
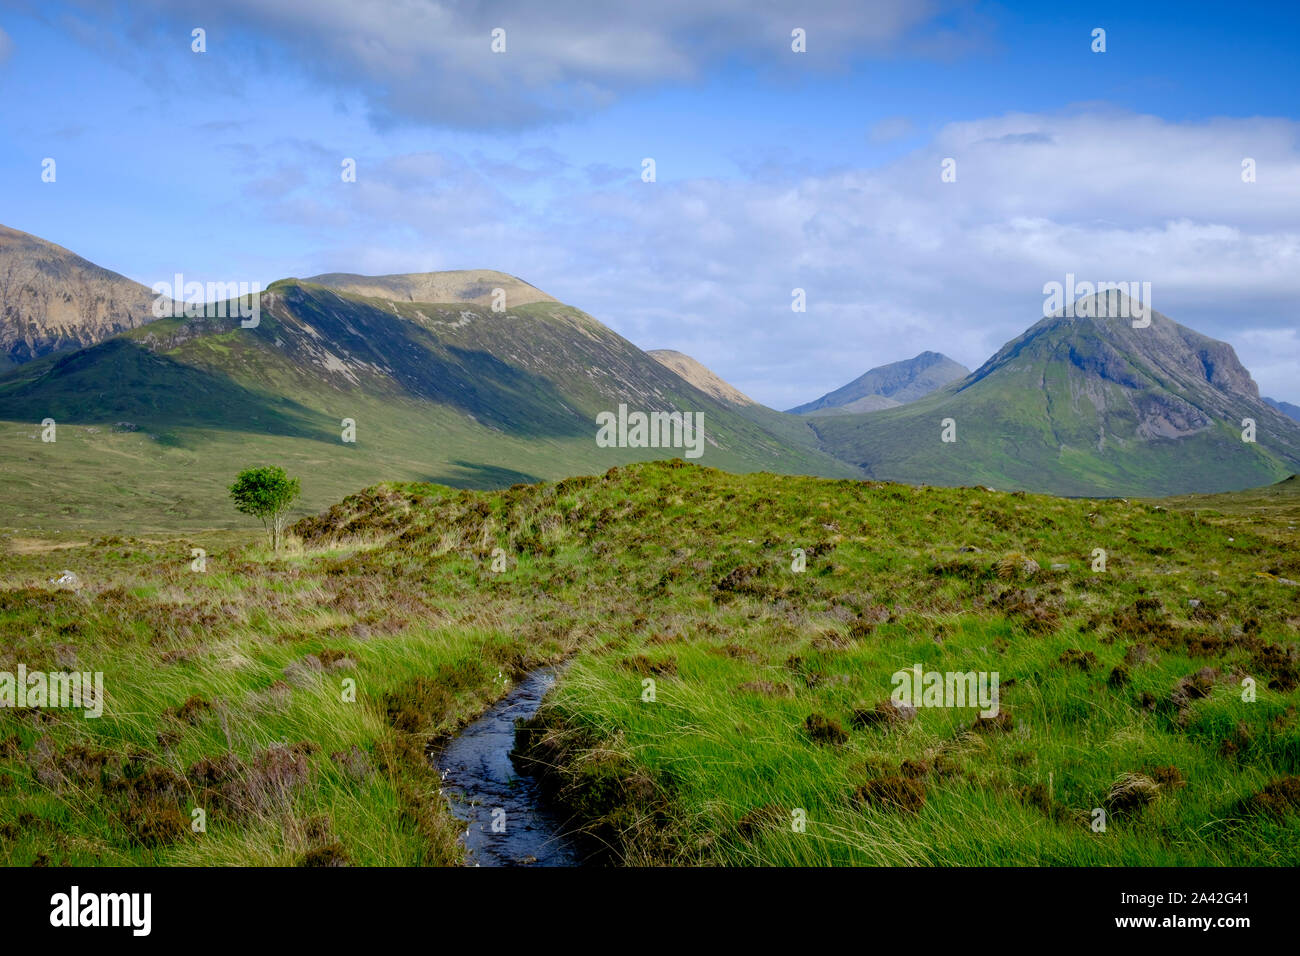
{"x":1175,"y":380}
{"x":52,"y":300}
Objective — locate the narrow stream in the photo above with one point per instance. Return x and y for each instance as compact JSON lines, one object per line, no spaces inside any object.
{"x":507,"y":825}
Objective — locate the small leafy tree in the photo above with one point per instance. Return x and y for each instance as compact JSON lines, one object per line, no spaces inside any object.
{"x":266,"y":493}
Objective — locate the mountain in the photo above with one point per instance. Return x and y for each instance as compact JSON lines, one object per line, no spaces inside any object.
{"x":702,"y":378}
{"x":1084,"y":406}
{"x":1286,"y":408}
{"x":153,"y":423}
{"x":888,"y":386}
{"x":54,"y":301}
{"x":499,"y":383}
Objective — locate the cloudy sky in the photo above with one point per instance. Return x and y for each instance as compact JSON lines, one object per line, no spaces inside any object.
{"x":775,"y":169}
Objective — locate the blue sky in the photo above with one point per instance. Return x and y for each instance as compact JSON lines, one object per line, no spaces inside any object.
{"x":775,"y":170}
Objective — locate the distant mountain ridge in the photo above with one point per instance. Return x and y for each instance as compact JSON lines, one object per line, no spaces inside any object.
{"x":477,"y":391}
{"x":1286,"y":408}
{"x":888,"y":386}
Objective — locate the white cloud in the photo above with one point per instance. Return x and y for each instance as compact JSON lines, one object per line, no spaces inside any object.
{"x":894,"y":261}
{"x":433,"y":61}
{"x":6,"y":46}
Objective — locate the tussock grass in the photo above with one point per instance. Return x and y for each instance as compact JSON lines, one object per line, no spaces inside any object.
{"x":1118,"y":692}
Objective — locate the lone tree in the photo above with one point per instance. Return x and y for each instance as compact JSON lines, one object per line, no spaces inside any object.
{"x":266,"y":493}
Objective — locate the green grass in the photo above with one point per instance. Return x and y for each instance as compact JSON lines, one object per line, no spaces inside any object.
{"x":242,"y":644}
{"x":682,"y":575}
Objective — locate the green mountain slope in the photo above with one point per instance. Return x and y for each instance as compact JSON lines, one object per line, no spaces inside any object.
{"x":1084,"y":406}
{"x":450,"y":392}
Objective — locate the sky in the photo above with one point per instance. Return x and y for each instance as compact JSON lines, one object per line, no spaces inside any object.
{"x":775,"y":170}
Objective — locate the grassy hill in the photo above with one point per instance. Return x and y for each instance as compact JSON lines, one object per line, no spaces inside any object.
{"x":1120,"y":690}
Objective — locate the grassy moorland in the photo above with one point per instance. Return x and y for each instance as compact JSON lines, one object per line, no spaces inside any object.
{"x":1120,"y":690}
{"x":226,"y":691}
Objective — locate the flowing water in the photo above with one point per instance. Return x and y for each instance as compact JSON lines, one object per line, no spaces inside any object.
{"x":506,"y":822}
